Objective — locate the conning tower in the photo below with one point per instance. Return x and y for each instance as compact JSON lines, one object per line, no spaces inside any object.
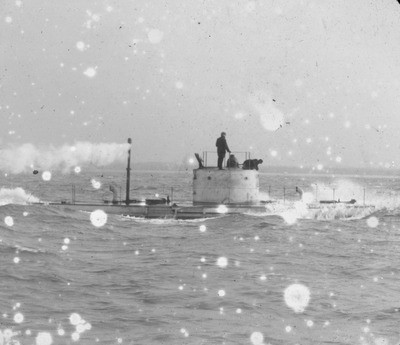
{"x":231,"y":186}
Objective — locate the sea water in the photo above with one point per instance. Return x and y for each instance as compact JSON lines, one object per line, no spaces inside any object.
{"x":283,"y":276}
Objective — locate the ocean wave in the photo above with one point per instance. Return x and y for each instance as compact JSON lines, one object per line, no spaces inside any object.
{"x":12,"y":247}
{"x":291,"y":211}
{"x":165,"y":221}
{"x":27,"y":249}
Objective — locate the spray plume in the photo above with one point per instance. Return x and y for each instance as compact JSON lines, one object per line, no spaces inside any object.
{"x":15,"y":196}
{"x":19,"y":159}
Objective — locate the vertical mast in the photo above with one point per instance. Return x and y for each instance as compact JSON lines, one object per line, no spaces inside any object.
{"x":128,"y":173}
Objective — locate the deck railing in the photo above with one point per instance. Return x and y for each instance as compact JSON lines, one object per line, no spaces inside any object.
{"x":212,"y":156}
{"x":84,"y":192}
{"x":290,"y":193}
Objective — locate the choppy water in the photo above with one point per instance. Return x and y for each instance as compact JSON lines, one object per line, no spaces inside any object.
{"x":216,"y":281}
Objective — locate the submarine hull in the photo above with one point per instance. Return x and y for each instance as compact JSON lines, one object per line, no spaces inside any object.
{"x":186,"y":211}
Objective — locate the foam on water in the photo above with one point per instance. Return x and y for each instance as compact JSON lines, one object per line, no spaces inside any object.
{"x":340,"y":211}
{"x":345,"y":190}
{"x":27,"y":249}
{"x":291,"y":211}
{"x":167,"y":221}
{"x":368,"y":201}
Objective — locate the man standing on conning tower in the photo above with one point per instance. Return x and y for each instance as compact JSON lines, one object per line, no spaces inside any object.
{"x":222,"y":147}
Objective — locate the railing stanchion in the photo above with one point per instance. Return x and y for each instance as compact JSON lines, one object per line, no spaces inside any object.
{"x":73,"y":192}
{"x":284,"y":194}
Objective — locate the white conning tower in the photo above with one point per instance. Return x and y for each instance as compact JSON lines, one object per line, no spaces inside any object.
{"x":229,"y":186}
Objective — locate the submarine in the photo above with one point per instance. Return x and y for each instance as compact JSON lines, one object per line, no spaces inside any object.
{"x":216,"y":192}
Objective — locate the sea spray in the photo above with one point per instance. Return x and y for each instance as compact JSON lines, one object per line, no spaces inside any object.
{"x":264,"y":196}
{"x":24,"y":158}
{"x":385,"y":201}
{"x":345,"y":190}
{"x":340,"y":190}
{"x":15,"y":196}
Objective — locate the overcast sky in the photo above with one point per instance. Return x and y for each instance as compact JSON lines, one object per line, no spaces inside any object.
{"x":294,"y":82}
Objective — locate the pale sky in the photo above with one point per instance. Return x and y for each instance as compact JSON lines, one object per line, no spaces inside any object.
{"x":312,"y":83}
